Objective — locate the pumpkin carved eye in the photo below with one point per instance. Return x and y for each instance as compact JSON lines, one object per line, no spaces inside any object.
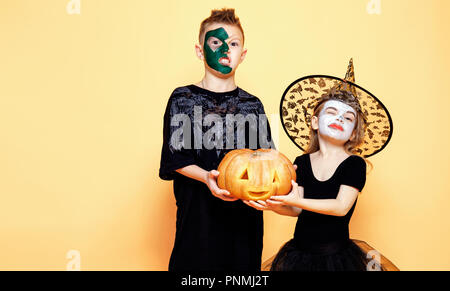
{"x":244,"y":176}
{"x":275,"y":177}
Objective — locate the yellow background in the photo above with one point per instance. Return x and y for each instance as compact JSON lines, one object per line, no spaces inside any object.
{"x":82,"y":99}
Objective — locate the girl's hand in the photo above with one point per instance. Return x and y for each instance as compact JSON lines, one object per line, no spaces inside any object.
{"x":211,"y":182}
{"x":263,"y":205}
{"x":258,"y":205}
{"x":293,"y":198}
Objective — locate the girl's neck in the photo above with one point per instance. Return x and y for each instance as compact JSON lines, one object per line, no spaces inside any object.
{"x":213,"y":83}
{"x":328,"y":149}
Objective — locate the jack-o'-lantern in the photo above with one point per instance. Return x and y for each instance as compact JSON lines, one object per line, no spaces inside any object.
{"x":256,"y":175}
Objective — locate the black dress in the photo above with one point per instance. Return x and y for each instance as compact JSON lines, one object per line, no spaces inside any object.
{"x":321,"y":242}
{"x":211,"y":234}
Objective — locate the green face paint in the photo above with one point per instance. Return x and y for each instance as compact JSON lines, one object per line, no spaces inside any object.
{"x":215,"y":48}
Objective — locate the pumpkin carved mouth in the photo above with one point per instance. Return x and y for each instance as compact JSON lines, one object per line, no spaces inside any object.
{"x":257,"y":193}
{"x":260,"y":195}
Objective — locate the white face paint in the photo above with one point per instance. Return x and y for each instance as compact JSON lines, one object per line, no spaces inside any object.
{"x":337,"y":120}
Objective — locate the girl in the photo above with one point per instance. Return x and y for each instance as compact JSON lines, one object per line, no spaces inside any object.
{"x":329,"y":177}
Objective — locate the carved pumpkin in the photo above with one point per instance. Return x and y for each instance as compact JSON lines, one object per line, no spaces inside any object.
{"x":256,"y":175}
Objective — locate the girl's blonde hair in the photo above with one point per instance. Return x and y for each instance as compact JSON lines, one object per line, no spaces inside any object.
{"x":352,"y":144}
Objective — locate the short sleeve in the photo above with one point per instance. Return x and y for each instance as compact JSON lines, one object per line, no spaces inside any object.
{"x":174,"y":157}
{"x":300,"y":170}
{"x":354,"y":173}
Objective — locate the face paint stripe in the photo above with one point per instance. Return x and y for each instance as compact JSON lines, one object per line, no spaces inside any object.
{"x":212,"y":57}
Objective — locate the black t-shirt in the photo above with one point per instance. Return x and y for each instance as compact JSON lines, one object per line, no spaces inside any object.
{"x":211,"y":234}
{"x":314,"y":227}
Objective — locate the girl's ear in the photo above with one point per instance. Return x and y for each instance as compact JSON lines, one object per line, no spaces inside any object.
{"x":353,"y":135}
{"x":315,"y":123}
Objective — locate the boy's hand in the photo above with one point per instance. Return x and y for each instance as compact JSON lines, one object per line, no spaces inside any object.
{"x":211,"y":182}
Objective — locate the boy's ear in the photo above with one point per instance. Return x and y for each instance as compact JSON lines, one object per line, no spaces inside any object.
{"x":199,"y":52}
{"x":243,"y":54}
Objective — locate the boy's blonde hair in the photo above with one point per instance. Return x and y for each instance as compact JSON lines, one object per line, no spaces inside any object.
{"x":225,"y":16}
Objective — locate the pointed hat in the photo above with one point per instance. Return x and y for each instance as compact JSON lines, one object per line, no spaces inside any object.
{"x":302,"y":96}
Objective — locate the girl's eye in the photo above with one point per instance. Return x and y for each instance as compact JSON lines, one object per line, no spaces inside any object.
{"x":350,"y":118}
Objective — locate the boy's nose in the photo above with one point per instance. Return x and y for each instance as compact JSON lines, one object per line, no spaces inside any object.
{"x":225,"y":48}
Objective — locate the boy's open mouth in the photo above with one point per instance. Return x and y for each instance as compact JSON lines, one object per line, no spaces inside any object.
{"x":225,"y":61}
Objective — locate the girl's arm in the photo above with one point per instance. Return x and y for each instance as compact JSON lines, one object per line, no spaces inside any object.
{"x":209,"y":178}
{"x":337,"y":207}
{"x":288,"y":210}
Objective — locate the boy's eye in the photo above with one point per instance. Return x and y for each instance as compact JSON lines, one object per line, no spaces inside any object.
{"x":214,"y":43}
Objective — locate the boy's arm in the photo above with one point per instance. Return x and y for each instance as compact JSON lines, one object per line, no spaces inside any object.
{"x":209,"y":178}
{"x":194,"y":172}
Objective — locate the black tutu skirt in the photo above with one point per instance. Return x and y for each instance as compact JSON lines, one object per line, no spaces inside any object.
{"x":333,"y":256}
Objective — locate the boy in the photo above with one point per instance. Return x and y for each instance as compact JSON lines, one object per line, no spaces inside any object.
{"x":214,"y":230}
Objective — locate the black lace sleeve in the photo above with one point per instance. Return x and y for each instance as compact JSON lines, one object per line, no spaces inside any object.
{"x":175,"y":154}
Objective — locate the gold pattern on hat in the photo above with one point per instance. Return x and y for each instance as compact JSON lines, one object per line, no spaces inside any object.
{"x":349,"y":76}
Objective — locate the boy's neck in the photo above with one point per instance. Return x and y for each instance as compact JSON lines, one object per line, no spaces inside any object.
{"x":216,"y":84}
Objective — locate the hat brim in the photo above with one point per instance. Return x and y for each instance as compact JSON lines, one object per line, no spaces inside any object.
{"x":301,"y":96}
